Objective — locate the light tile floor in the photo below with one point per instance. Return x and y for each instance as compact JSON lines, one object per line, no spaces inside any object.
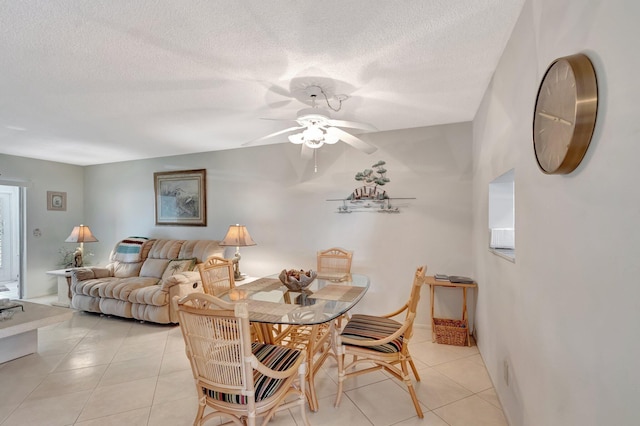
{"x":95,"y":371}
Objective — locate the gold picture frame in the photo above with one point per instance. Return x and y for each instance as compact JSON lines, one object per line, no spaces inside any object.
{"x":57,"y":201}
{"x":181,"y":197}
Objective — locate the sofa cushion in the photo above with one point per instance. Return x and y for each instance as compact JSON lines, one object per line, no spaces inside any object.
{"x":166,"y":249}
{"x":121,"y":288}
{"x":91,"y":287}
{"x":149,"y":295}
{"x":177,"y":266}
{"x":153,"y":267}
{"x":125,"y":270}
{"x":201,"y":249}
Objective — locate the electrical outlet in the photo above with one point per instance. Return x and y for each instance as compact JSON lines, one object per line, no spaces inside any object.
{"x":506,"y":372}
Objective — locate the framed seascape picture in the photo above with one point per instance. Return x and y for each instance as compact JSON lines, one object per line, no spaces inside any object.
{"x":181,"y":197}
{"x":57,"y":201}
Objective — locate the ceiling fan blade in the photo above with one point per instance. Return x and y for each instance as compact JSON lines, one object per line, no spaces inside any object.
{"x":280,"y":91}
{"x":352,"y":125}
{"x":306,"y":153}
{"x":279,"y":104}
{"x":358,"y":144}
{"x":290,"y":129}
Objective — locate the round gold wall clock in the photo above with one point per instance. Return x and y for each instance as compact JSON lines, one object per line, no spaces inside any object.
{"x":565,"y":114}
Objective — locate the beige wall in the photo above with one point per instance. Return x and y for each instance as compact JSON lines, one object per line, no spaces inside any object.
{"x":38,"y":177}
{"x":283,"y":203}
{"x":565,"y":316}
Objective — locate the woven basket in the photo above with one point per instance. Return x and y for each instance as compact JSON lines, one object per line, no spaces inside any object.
{"x":450,"y":331}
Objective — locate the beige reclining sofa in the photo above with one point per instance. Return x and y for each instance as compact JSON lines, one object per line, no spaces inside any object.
{"x":142,"y":278}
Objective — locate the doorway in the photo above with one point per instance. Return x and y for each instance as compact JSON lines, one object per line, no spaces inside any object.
{"x":10,"y":214}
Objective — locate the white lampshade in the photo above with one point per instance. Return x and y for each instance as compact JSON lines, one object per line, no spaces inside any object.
{"x":81,"y":234}
{"x":238,"y":236}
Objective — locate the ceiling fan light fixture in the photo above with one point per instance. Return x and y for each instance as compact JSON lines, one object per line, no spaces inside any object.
{"x":330,"y":139}
{"x":313,"y":143}
{"x":314,"y":134}
{"x":297,"y":139}
{"x":330,"y":136}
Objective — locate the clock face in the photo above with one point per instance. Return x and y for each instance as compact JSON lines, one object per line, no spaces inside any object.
{"x":563,"y":122}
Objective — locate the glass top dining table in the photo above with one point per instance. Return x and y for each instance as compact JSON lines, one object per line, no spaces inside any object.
{"x":328,"y":297}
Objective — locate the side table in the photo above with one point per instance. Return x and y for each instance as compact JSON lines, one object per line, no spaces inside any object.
{"x":433,"y":283}
{"x":64,"y":286}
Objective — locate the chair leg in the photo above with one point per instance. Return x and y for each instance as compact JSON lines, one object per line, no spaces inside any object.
{"x":412,"y":391}
{"x":201,"y":406}
{"x":341,"y":377}
{"x":413,"y":368}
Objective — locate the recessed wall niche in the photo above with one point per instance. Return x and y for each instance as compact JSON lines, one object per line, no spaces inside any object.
{"x":502,"y":213}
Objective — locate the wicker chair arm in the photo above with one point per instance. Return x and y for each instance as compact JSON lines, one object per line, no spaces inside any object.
{"x":281,"y":374}
{"x":396,"y":312}
{"x":399,"y":332}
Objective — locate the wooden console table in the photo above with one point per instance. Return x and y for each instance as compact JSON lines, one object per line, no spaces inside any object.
{"x":433,"y":283}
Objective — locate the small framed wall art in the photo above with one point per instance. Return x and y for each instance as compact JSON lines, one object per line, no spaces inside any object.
{"x":57,"y":201}
{"x":181,"y":197}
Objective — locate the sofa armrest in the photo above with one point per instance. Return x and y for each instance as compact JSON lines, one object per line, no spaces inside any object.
{"x":180,"y":285}
{"x":91,"y":273}
{"x":187,"y":278}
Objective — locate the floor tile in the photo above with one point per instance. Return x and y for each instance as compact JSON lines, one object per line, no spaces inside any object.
{"x":490,"y":396}
{"x":468,"y":373}
{"x":179,"y":412}
{"x":178,"y":385}
{"x":346,"y":414}
{"x":138,"y":417}
{"x":79,"y":379}
{"x":114,"y":399}
{"x":383,"y":403}
{"x":57,"y":410}
{"x":125,"y":371}
{"x":174,"y":361}
{"x":435,"y":389}
{"x":471,"y":411}
{"x":98,"y":370}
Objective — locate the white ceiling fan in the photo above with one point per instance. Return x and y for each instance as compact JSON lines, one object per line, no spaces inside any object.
{"x":318,"y":128}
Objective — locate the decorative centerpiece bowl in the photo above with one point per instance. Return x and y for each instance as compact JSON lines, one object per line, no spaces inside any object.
{"x":297,"y":280}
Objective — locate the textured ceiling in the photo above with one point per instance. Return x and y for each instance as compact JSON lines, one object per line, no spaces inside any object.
{"x":88,"y":82}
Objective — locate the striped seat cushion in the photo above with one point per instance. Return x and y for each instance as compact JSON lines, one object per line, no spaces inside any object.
{"x":276,"y":358}
{"x":368,"y":327}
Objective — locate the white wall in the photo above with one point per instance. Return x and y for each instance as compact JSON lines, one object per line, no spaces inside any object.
{"x":566,"y":315}
{"x":38,"y":177}
{"x":283,"y":203}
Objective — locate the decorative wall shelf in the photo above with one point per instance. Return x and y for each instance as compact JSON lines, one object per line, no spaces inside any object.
{"x":370,"y":205}
{"x":371,"y":197}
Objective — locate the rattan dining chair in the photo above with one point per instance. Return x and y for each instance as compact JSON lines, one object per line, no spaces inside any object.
{"x":382,"y":341}
{"x":334,"y":260}
{"x":314,"y":340}
{"x":217,"y":275}
{"x":332,"y":263}
{"x":240,"y":380}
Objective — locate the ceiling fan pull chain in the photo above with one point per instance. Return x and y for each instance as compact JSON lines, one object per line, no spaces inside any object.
{"x":328,"y":104}
{"x":315,"y":161}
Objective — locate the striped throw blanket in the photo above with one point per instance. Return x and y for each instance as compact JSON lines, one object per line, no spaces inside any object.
{"x":129,"y":250}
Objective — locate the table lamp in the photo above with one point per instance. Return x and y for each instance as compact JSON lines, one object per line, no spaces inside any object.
{"x":80,"y":234}
{"x":237,"y":236}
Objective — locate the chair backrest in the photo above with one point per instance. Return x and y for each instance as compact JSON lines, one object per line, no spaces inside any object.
{"x":334,"y":260}
{"x":217,"y":275}
{"x":217,"y":341}
{"x":414,"y":298}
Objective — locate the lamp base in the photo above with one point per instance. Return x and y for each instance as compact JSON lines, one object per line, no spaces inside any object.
{"x":77,"y":258}
{"x":239,"y":277}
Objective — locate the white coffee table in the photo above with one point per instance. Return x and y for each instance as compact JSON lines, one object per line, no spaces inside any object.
{"x":19,"y":335}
